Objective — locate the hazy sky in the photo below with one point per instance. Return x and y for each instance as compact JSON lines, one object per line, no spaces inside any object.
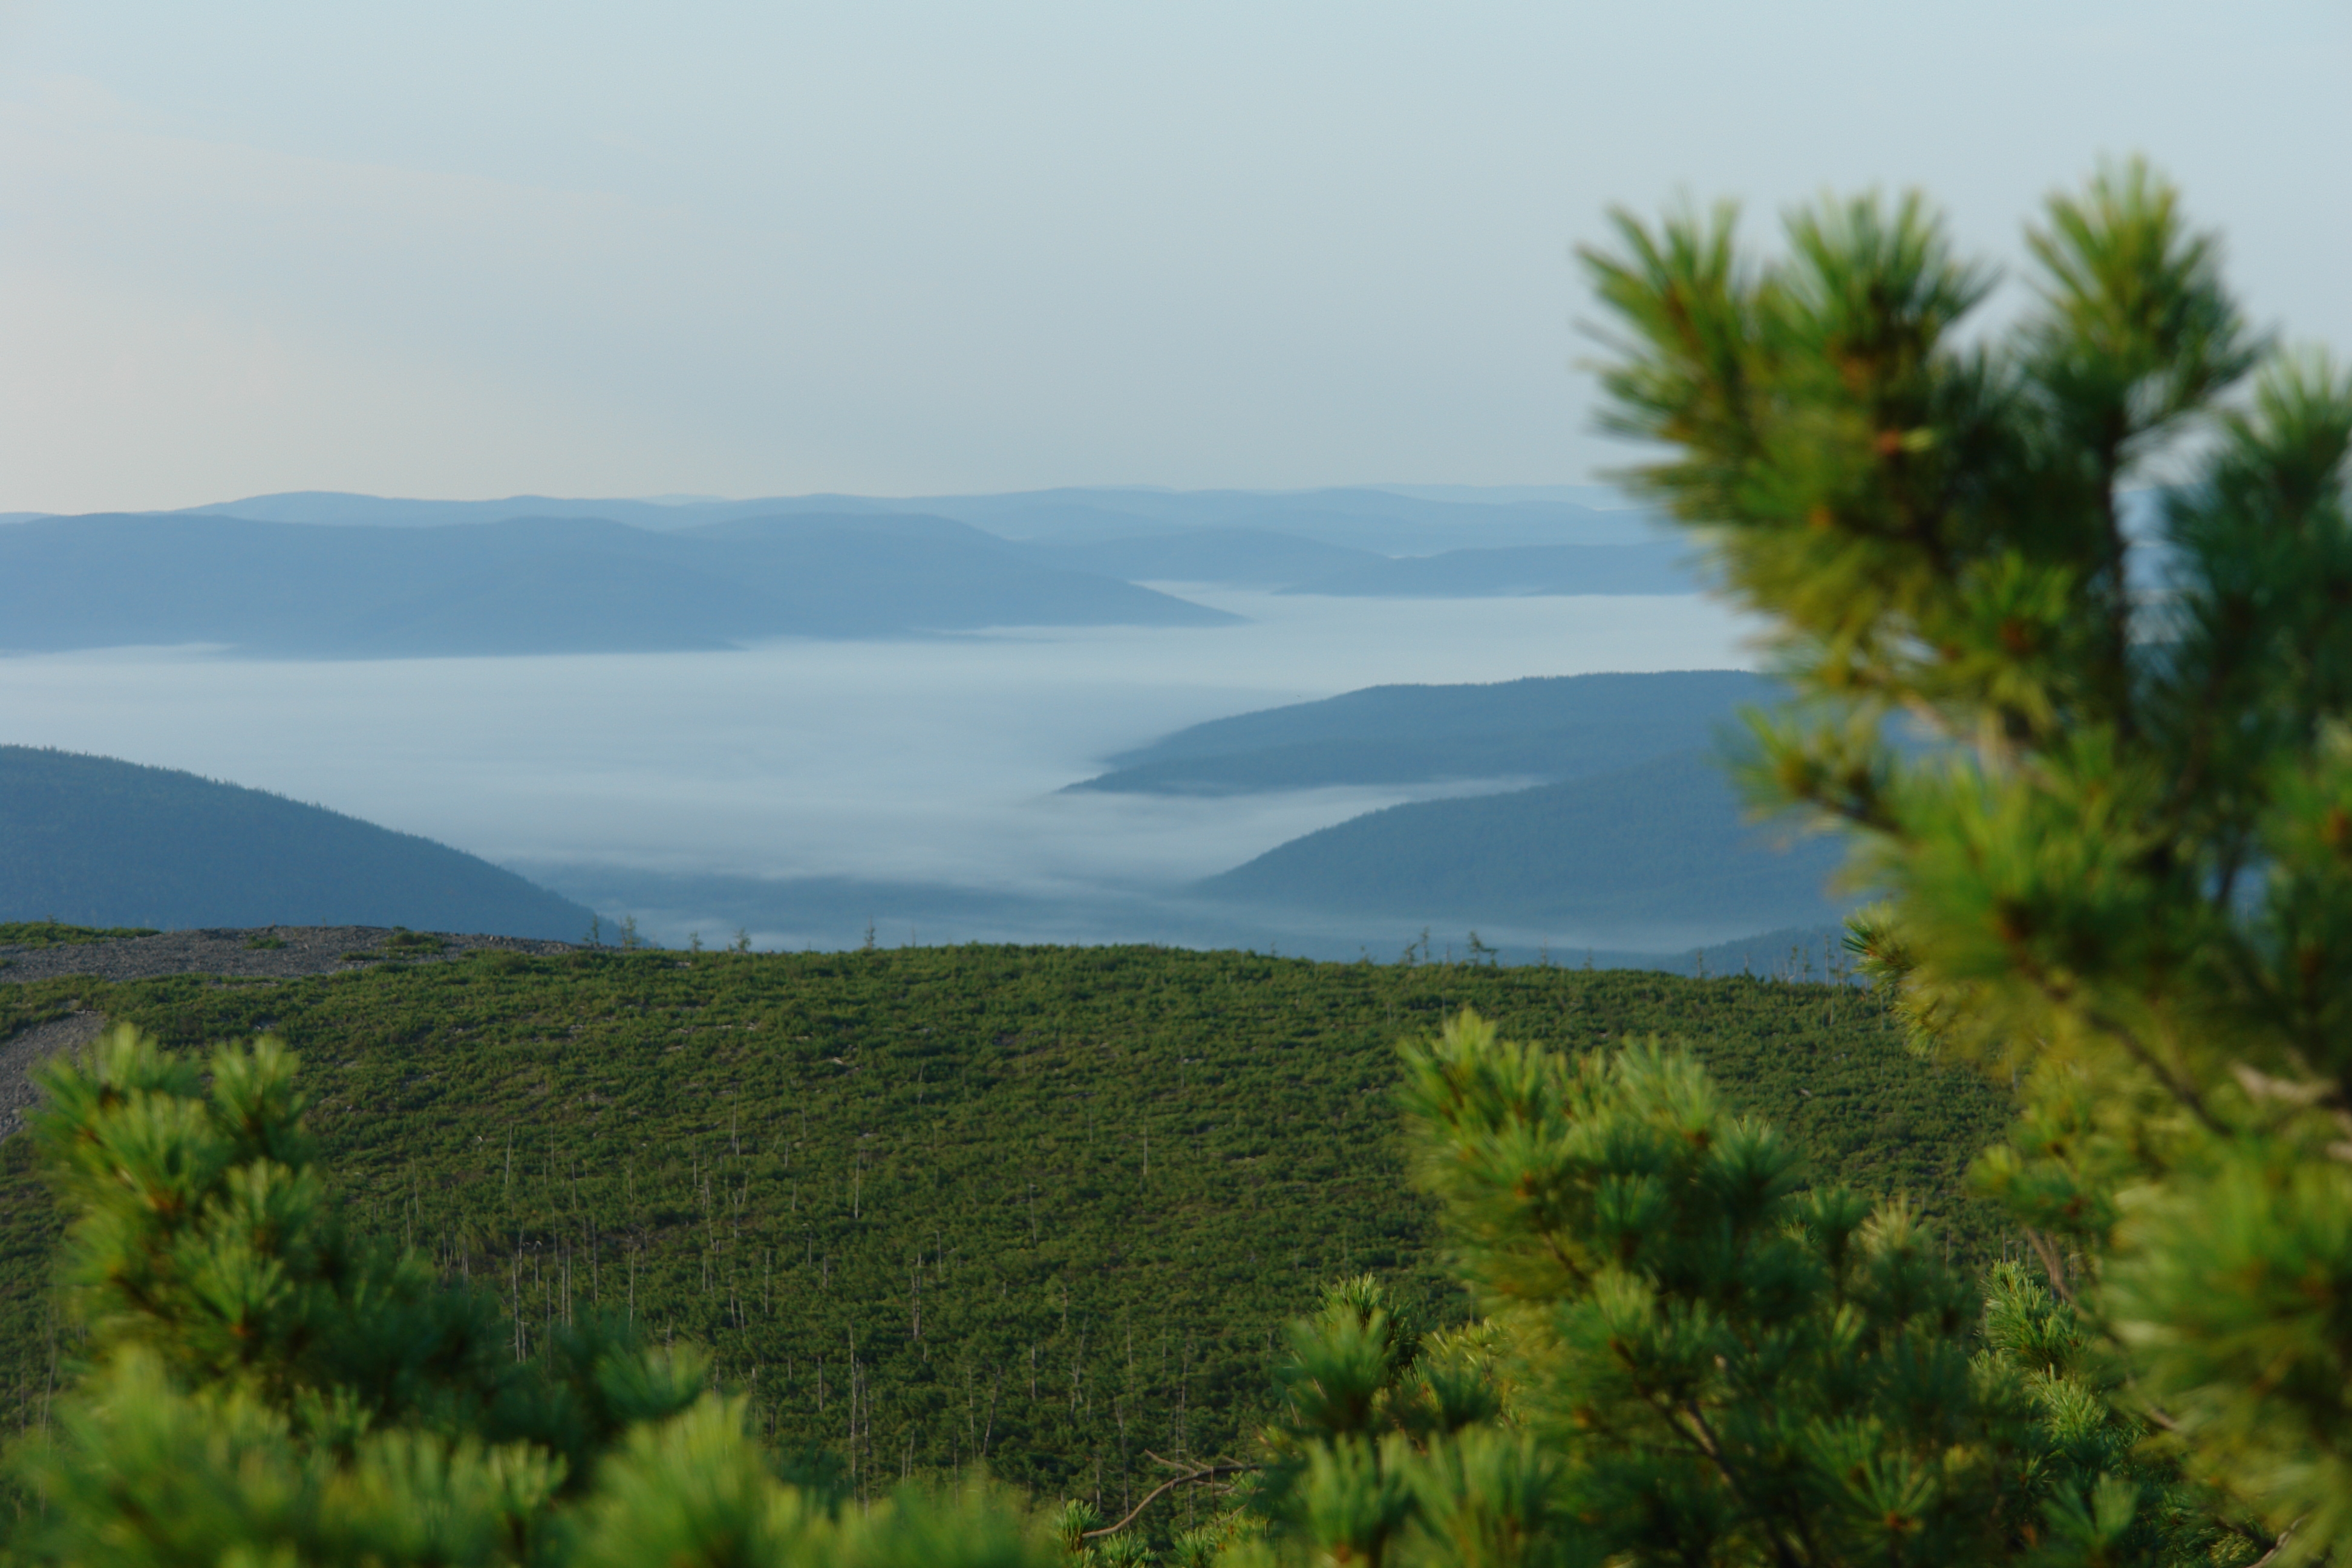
{"x":471,"y":249}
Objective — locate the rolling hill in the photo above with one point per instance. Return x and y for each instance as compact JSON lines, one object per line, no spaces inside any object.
{"x":531,"y":585}
{"x":1656,"y":855}
{"x":95,"y":841}
{"x":1549,"y":727}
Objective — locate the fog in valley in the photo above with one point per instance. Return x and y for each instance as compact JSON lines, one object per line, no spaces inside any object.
{"x":926,"y":773}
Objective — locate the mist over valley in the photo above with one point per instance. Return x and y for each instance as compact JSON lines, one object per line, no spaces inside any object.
{"x":1070,"y":717}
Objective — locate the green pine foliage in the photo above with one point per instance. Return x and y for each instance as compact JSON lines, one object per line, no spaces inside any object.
{"x":2125,"y":876}
{"x":1684,"y":1353}
{"x":261,"y":1385}
{"x":1058,"y":1200}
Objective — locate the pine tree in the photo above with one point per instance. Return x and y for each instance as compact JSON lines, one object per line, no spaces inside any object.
{"x":2097,"y":564}
{"x":1684,"y":1356}
{"x":2064,"y":608}
{"x":260,"y":1386}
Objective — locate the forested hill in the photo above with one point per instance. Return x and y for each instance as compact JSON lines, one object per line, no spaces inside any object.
{"x":1049,"y":1206}
{"x":1552,"y":727}
{"x":532,"y":585}
{"x":97,"y":841}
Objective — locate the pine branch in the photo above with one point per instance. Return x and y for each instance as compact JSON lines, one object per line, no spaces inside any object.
{"x":1203,"y":1473}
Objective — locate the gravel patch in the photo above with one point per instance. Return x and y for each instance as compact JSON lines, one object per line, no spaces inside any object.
{"x":298,"y":951}
{"x":270,"y":953}
{"x":22,"y":1051}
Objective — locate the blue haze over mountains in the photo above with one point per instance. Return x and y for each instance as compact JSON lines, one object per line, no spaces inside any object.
{"x":328,"y":576}
{"x":1587,"y":810}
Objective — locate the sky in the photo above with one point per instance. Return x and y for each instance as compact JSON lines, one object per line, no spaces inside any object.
{"x":482,"y":248}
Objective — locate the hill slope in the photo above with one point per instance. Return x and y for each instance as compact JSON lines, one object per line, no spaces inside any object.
{"x":95,"y":841}
{"x":1550,"y":727}
{"x":531,"y":585}
{"x":1054,"y":1204}
{"x":1656,"y":855}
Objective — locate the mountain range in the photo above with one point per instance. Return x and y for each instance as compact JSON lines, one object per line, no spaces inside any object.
{"x":531,"y":585}
{"x":322,"y":575}
{"x":1623,"y":820}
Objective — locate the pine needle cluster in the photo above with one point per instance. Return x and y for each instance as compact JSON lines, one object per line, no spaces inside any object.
{"x":1685,"y":1355}
{"x":2098,"y":562}
{"x":259,"y":1386}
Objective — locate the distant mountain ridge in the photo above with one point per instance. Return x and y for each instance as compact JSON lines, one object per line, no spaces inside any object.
{"x":101,"y":842}
{"x":1633,"y":839}
{"x":355,"y":575}
{"x":531,"y":585}
{"x":1542,"y":727}
{"x":1247,"y":557}
{"x":1389,"y":520}
{"x":1511,"y":571}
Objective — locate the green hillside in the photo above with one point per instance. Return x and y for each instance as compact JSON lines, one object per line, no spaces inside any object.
{"x":97,"y":841}
{"x":1047,"y":1205}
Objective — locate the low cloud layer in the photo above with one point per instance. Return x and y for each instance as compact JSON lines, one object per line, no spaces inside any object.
{"x":937,"y":761}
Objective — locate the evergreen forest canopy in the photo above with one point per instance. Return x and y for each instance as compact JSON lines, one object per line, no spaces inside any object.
{"x":2126,"y":890}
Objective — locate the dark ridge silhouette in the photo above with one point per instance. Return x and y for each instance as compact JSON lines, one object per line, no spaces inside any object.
{"x":97,"y":841}
{"x":1658,"y":853}
{"x":1545,"y":727}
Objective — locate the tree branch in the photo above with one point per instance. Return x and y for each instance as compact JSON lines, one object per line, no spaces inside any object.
{"x":2121,"y":1033}
{"x":1203,"y":1473}
{"x":2053,"y":1265}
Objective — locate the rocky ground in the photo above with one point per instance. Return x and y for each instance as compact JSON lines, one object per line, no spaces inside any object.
{"x":276,"y":951}
{"x":21,"y":1051}
{"x":270,"y":951}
